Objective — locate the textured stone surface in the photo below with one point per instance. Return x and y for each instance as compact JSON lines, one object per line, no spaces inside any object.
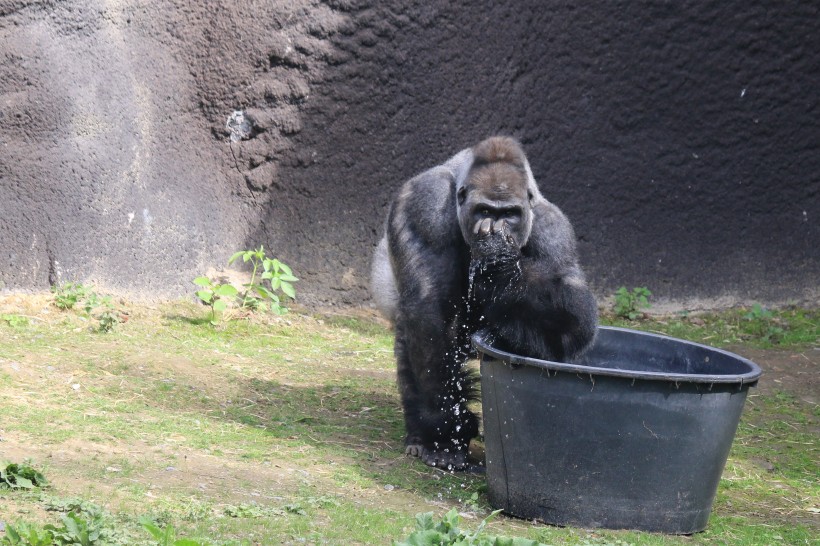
{"x":682,"y":139}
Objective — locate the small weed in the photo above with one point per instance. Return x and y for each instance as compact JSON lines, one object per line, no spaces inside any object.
{"x":74,"y":531}
{"x":447,"y":532}
{"x":295,"y":508}
{"x":279,"y":277}
{"x":269,"y":277}
{"x":251,"y":510}
{"x":24,"y":534}
{"x":21,"y":476}
{"x":67,"y":295}
{"x":763,"y":324}
{"x":472,"y":502}
{"x":213,"y":294}
{"x":14,"y":321}
{"x":628,"y":304}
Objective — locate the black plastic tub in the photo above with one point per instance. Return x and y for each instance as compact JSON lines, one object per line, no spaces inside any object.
{"x":632,"y":436}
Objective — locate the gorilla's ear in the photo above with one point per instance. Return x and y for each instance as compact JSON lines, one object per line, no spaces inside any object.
{"x":462,"y":195}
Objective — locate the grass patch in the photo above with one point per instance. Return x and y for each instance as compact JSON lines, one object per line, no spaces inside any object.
{"x":790,"y":327}
{"x":288,"y":429}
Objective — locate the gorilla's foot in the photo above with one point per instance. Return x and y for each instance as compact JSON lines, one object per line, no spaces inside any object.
{"x":445,"y":459}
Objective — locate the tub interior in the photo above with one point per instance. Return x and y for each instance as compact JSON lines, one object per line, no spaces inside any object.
{"x":631,"y":353}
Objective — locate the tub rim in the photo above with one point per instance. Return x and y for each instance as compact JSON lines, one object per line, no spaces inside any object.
{"x":748,"y":378}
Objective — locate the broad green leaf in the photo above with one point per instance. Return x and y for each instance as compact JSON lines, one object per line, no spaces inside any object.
{"x":205,"y":295}
{"x":286,"y":269}
{"x":262,"y":291}
{"x":226,"y":290}
{"x":235,"y":256}
{"x":202,"y":281}
{"x":288,"y":278}
{"x":12,"y":532}
{"x":23,"y":483}
{"x":149,"y":526}
{"x":428,"y":537}
{"x":424,"y":521}
{"x":287,"y":288}
{"x":220,"y":305}
{"x":72,"y":525}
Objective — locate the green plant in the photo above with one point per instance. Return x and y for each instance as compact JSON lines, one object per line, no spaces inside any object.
{"x":106,"y":313}
{"x":24,"y":534}
{"x":14,"y":320}
{"x":212,"y":294}
{"x":763,"y":324}
{"x":66,"y":295}
{"x":447,"y":532}
{"x":472,"y":502}
{"x":628,"y":304}
{"x":75,"y":531}
{"x":279,"y":277}
{"x":21,"y":476}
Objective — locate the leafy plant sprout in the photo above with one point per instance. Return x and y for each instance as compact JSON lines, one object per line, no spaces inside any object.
{"x":763,"y":324}
{"x":212,"y":294}
{"x":279,"y":276}
{"x":67,"y":294}
{"x":628,"y":304}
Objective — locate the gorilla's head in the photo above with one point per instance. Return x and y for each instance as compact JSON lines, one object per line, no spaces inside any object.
{"x":497,"y":191}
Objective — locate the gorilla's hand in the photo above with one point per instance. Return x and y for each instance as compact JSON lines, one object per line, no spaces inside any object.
{"x":495,"y":262}
{"x":493,"y":243}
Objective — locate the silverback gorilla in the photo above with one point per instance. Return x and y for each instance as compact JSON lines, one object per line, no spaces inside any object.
{"x":471,"y":245}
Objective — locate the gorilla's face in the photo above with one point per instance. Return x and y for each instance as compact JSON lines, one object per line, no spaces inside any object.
{"x":494,"y":198}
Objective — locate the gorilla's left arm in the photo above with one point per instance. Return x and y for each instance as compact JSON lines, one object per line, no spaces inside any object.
{"x":534,"y":300}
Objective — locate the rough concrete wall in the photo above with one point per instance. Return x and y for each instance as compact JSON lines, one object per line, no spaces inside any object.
{"x":681,"y":138}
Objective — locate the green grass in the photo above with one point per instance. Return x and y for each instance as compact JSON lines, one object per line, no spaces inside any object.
{"x":289,"y":430}
{"x":785,"y":328}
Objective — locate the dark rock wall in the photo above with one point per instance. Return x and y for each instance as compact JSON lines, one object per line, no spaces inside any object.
{"x":681,"y":138}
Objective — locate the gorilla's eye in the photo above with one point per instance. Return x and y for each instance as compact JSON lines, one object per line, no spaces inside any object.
{"x":512,"y":216}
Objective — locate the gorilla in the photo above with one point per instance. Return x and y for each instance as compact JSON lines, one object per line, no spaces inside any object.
{"x":472,"y":245}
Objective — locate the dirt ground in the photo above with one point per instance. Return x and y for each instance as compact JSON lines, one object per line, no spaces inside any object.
{"x":796,"y":372}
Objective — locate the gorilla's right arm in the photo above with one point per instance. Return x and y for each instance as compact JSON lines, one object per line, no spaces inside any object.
{"x":429,"y":260}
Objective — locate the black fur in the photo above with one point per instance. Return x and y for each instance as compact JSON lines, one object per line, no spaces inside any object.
{"x":470,"y":219}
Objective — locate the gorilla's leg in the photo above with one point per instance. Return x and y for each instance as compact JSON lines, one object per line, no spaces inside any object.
{"x":435,"y":389}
